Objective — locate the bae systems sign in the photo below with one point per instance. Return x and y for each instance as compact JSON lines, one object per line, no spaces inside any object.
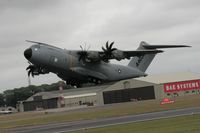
{"x":182,"y":86}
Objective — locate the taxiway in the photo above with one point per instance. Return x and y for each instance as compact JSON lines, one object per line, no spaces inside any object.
{"x":87,"y":124}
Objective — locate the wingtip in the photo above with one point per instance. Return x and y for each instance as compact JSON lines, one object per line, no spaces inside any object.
{"x":184,"y":46}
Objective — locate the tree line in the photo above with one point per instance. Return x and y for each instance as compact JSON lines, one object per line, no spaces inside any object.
{"x":11,"y":97}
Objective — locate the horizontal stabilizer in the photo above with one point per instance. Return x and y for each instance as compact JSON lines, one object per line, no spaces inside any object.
{"x":147,"y":46}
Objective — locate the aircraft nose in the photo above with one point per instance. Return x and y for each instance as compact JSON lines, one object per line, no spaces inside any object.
{"x":28,"y":53}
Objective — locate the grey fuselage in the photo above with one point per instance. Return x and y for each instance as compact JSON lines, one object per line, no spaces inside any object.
{"x":66,"y":64}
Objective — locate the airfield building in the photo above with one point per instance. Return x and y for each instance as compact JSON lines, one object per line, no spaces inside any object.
{"x":145,"y":88}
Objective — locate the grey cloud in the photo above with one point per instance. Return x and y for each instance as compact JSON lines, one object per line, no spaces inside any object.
{"x":26,"y":5}
{"x":135,"y":23}
{"x":180,"y":4}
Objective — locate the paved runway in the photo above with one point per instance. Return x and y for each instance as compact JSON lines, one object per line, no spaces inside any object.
{"x":86,"y":124}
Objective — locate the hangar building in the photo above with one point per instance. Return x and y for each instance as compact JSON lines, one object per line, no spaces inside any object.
{"x":144,"y":88}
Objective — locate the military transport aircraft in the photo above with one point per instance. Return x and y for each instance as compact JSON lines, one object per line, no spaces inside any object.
{"x":84,"y":66}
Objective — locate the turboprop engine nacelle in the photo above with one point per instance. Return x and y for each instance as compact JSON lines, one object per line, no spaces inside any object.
{"x":118,"y":55}
{"x":93,"y":56}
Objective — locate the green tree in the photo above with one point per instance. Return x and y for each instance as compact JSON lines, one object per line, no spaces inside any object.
{"x":11,"y":97}
{"x":2,"y":102}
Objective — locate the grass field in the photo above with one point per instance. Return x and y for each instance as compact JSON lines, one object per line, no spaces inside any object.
{"x":183,"y":124}
{"x":36,"y":118}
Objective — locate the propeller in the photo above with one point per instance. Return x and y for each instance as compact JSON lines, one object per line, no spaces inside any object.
{"x":33,"y":70}
{"x":30,"y":70}
{"x":83,"y":54}
{"x":108,"y":50}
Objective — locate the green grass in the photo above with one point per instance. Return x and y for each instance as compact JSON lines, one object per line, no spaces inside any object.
{"x":36,"y":118}
{"x":183,"y":124}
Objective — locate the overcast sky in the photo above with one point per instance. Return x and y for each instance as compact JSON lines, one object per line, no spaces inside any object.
{"x":69,"y":23}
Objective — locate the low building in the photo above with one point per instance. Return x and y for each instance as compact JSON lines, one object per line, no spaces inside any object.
{"x":65,"y":98}
{"x":145,"y":88}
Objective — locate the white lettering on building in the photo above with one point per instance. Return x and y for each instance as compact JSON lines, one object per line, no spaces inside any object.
{"x":182,"y":86}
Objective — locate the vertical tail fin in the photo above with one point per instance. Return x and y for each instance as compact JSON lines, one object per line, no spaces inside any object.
{"x":143,"y":62}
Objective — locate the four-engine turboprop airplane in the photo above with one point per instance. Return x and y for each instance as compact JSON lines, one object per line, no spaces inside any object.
{"x":84,"y":66}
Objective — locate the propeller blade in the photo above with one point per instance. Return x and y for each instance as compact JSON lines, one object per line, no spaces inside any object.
{"x":113,"y":49}
{"x":111,"y":45}
{"x":85,"y":47}
{"x":81,"y":47}
{"x":103,"y":49}
{"x":29,"y":72}
{"x":32,"y":74}
{"x":107,"y":45}
{"x":30,"y":67}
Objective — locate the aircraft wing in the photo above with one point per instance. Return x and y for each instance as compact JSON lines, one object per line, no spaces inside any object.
{"x":96,"y":56}
{"x":119,"y":55}
{"x":128,"y":54}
